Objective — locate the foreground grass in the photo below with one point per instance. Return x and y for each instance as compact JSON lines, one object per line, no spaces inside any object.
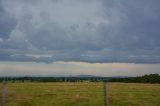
{"x":81,"y":94}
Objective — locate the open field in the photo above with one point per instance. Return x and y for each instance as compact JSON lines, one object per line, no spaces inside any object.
{"x":81,"y":94}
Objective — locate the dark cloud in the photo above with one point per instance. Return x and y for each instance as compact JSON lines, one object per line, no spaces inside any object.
{"x":137,"y":25}
{"x":7,"y":23}
{"x":88,"y":31}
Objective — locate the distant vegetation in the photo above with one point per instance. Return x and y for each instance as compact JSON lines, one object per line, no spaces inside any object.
{"x":151,"y":78}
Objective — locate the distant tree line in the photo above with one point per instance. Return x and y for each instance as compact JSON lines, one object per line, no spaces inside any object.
{"x":53,"y":79}
{"x":151,"y":78}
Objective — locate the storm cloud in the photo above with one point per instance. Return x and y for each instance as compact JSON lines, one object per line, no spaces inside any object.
{"x":105,"y":31}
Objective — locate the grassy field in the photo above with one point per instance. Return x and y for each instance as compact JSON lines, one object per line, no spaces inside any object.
{"x":81,"y":94}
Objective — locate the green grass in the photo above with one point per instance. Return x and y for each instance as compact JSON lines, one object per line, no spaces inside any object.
{"x":81,"y":94}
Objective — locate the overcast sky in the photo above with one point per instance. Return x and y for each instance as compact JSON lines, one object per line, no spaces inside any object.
{"x":80,"y":31}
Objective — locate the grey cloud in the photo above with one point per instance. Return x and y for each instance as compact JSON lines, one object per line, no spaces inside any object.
{"x":7,"y":23}
{"x":106,"y":31}
{"x":138,"y":25}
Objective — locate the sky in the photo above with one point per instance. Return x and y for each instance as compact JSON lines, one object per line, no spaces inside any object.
{"x":69,"y":37}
